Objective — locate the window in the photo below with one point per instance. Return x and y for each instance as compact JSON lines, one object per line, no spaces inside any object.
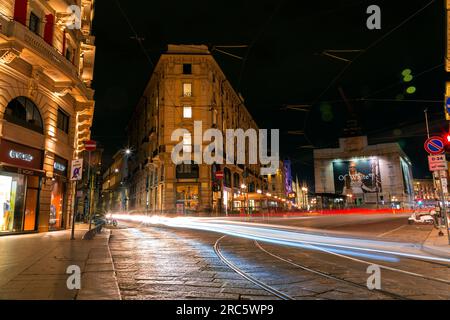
{"x":187,"y":112}
{"x":34,"y":23}
{"x":214,"y":118}
{"x":187,"y":143}
{"x":187,"y":171}
{"x":63,"y":121}
{"x":23,"y":112}
{"x":187,"y":89}
{"x":187,"y":68}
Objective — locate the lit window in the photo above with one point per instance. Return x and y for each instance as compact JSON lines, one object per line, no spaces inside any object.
{"x":187,"y":143}
{"x":187,"y":89}
{"x":214,"y":117}
{"x":187,"y":112}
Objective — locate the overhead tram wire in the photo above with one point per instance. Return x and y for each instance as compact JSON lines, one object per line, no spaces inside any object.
{"x":136,"y":36}
{"x":373,"y":44}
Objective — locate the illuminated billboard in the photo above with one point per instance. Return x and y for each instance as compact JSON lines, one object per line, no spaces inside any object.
{"x":355,"y":177}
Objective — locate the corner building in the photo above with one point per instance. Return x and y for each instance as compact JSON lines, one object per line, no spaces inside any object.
{"x":187,"y":85}
{"x":46,"y":110}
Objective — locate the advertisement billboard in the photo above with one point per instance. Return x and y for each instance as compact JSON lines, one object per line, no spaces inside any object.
{"x":357,"y":176}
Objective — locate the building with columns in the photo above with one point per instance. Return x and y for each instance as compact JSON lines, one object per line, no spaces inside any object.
{"x":187,"y":85}
{"x":47,"y":58}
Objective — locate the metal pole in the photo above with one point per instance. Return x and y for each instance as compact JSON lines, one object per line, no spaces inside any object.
{"x":444,"y":205}
{"x":89,"y":191}
{"x":427,"y":124}
{"x":434,"y":178}
{"x":74,"y":212}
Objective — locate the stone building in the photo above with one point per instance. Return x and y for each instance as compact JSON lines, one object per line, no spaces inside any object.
{"x":46,"y":109}
{"x":187,"y":85}
{"x":359,"y":174}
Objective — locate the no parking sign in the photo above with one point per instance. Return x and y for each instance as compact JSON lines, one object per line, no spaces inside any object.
{"x":435,"y":145}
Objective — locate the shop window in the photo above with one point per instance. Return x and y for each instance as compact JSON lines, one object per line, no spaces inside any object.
{"x":23,"y":112}
{"x":57,"y":204}
{"x":12,"y":191}
{"x":63,"y":121}
{"x":188,"y":197}
{"x":35,"y":23}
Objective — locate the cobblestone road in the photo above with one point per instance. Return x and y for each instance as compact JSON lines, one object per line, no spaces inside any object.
{"x":164,"y":263}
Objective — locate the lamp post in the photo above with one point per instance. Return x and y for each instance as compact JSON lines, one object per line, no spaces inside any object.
{"x":244,"y":194}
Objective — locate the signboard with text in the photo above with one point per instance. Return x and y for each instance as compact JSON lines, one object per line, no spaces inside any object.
{"x":437,"y":163}
{"x":76,"y":171}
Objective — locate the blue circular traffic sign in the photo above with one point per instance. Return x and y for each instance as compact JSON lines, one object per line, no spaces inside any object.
{"x":435,"y":145}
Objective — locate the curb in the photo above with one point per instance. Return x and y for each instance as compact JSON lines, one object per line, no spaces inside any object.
{"x":435,"y":250}
{"x":99,"y":280}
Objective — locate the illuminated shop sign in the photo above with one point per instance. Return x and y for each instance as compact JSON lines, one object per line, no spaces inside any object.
{"x":59,"y":167}
{"x":20,"y":156}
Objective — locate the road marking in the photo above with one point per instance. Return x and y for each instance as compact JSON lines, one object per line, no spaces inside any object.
{"x":386,"y":233}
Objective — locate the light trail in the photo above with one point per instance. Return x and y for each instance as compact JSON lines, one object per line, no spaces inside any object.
{"x":372,"y":249}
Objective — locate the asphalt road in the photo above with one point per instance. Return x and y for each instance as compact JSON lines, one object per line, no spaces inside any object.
{"x":159,"y":262}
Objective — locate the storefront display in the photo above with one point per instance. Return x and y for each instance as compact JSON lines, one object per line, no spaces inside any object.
{"x":20,"y":185}
{"x":188,"y":195}
{"x":57,"y":201}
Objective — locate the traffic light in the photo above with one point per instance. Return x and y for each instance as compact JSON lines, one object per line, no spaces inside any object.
{"x":446,"y":138}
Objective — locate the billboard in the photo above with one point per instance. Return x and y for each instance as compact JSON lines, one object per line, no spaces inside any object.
{"x":357,"y":176}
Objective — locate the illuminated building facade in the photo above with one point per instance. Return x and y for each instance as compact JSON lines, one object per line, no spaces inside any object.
{"x":114,"y":195}
{"x":360,"y":174}
{"x":46,"y":109}
{"x":425,"y":191}
{"x":186,"y":86}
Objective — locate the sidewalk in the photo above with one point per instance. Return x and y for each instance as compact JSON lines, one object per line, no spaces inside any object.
{"x":33,"y":267}
{"x":437,"y":245}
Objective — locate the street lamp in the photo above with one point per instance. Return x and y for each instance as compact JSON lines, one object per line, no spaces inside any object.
{"x":245,"y":195}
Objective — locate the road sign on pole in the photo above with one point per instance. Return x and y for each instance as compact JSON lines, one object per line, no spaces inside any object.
{"x":447,"y":108}
{"x":437,"y":163}
{"x":90,"y":145}
{"x":76,"y":172}
{"x":219,"y":175}
{"x":435,"y":145}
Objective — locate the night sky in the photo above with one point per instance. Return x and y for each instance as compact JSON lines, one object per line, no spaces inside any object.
{"x":285,"y":66}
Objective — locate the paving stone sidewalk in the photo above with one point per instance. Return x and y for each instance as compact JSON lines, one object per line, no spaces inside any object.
{"x":33,"y":267}
{"x":437,"y":245}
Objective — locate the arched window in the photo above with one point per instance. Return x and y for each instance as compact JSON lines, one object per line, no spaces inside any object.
{"x":23,"y":112}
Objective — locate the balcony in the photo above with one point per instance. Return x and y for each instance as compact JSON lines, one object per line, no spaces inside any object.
{"x":33,"y":49}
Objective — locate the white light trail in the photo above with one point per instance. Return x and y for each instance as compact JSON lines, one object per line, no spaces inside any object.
{"x":279,"y":235}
